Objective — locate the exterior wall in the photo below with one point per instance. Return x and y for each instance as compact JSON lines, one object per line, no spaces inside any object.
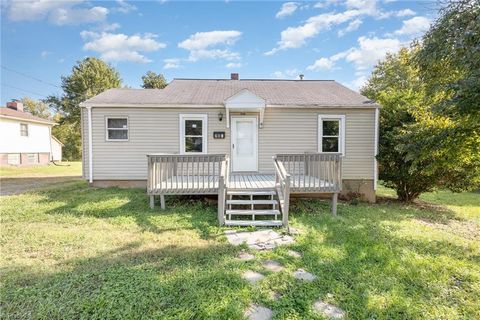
{"x":56,"y":150}
{"x":154,"y":130}
{"x":43,"y":158}
{"x":38,"y":140}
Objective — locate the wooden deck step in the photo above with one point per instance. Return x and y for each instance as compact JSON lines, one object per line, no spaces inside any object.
{"x":255,"y":223}
{"x":252,"y":202}
{"x":253,"y":212}
{"x":251,"y":193}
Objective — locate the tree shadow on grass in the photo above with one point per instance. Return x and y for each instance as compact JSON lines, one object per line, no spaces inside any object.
{"x":373,"y":272}
{"x":109,"y":203}
{"x":172,"y":282}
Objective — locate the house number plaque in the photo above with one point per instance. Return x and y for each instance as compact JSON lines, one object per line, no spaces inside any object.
{"x":219,"y":135}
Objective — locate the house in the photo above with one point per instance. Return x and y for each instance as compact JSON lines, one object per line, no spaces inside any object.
{"x":251,"y":142}
{"x":57,"y":147}
{"x":26,"y":139}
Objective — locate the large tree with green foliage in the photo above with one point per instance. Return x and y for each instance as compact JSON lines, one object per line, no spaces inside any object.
{"x":36,"y":107}
{"x":429,"y":129}
{"x":89,"y":77}
{"x":152,"y":80}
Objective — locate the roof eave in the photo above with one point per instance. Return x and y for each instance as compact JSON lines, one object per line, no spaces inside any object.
{"x":28,"y":120}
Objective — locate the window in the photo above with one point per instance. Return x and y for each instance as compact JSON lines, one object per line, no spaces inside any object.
{"x":13,"y":158}
{"x":331,"y":133}
{"x":32,"y":158}
{"x":117,"y":129}
{"x":193,"y":137}
{"x":24,"y":129}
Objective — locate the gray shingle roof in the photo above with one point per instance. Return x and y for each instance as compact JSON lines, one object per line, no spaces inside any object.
{"x":215,"y":92}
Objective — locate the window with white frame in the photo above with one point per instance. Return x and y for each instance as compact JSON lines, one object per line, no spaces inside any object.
{"x":117,"y":129}
{"x":24,"y":129}
{"x":331,"y":134}
{"x":32,"y":158}
{"x":13,"y":158}
{"x":193,"y":133}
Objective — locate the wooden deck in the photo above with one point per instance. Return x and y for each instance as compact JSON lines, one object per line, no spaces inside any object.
{"x":239,"y":182}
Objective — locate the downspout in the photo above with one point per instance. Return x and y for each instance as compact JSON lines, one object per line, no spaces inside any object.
{"x":90,"y":147}
{"x":375,"y":164}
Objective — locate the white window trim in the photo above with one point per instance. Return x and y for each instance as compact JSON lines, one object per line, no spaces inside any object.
{"x":106,"y":128}
{"x":341,"y":139}
{"x":194,"y":116}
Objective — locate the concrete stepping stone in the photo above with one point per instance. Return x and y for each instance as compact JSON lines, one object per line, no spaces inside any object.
{"x":304,"y":275}
{"x":272,"y":265}
{"x":258,"y":240}
{"x":245,"y":256}
{"x":252,"y":277}
{"x":328,"y":310}
{"x":258,"y":312}
{"x":294,"y":254}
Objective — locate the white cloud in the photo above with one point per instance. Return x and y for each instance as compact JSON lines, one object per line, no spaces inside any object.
{"x":325,"y":3}
{"x":358,"y":82}
{"x":287,"y":9}
{"x":59,"y":12}
{"x":287,"y":74}
{"x":124,"y":7}
{"x":45,"y":54}
{"x":120,"y":47}
{"x":352,"y":26}
{"x":205,"y":45}
{"x":172,"y":63}
{"x":295,"y":37}
{"x":321,"y":64}
{"x":414,"y":26}
{"x":231,"y":65}
{"x":405,"y":13}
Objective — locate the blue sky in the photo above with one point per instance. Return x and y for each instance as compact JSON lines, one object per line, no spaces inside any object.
{"x":333,"y":39}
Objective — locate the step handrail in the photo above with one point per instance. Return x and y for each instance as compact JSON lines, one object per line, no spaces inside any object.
{"x":282,"y":187}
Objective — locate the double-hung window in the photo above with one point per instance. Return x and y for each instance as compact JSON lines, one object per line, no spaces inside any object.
{"x":24,"y":129}
{"x":193,"y":133}
{"x":331,"y":134}
{"x":117,"y":129}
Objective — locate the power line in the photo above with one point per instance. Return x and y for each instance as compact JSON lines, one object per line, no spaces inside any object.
{"x":28,"y":91}
{"x":31,"y":77}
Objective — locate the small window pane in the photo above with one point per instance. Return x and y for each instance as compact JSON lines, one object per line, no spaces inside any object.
{"x":330,"y":144}
{"x":193,"y":144}
{"x":23,"y":130}
{"x":117,"y":134}
{"x":32,"y":158}
{"x":193,"y":127}
{"x":117,"y":123}
{"x":330,"y":127}
{"x":13,"y":158}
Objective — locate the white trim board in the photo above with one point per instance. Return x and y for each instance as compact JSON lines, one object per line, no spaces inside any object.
{"x":193,"y":116}
{"x":342,"y":119}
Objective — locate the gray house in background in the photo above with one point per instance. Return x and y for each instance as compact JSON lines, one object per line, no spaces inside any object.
{"x":320,"y":134}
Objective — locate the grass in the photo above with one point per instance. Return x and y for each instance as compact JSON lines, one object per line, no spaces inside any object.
{"x":78,"y":252}
{"x":63,"y":169}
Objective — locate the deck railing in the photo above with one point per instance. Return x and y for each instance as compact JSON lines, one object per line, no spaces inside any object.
{"x":186,"y":174}
{"x":313,"y":172}
{"x":282,"y":186}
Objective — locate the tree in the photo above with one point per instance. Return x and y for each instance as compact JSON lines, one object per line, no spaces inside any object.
{"x":395,"y":85}
{"x":89,"y":77}
{"x":152,"y":80}
{"x":36,"y":108}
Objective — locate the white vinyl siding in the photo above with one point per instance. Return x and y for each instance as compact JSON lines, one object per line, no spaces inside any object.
{"x":285,"y":130}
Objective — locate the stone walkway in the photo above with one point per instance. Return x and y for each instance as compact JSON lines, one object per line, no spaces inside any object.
{"x":258,"y":240}
{"x":269,"y":239}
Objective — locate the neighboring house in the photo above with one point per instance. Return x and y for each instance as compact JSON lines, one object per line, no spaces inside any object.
{"x":26,"y":139}
{"x":295,"y":136}
{"x":57,"y":147}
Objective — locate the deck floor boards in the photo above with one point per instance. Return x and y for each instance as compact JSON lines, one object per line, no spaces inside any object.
{"x":239,"y":181}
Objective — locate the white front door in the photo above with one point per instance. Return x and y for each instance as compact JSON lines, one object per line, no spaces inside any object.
{"x":244,"y":144}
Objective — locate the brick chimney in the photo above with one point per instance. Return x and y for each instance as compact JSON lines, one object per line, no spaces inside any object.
{"x":233,"y":76}
{"x":15,"y":105}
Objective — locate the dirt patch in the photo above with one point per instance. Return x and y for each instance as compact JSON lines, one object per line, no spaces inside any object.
{"x":11,"y":186}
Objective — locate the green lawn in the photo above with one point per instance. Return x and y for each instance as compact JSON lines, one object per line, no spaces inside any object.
{"x":77,"y":252}
{"x":63,"y":169}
